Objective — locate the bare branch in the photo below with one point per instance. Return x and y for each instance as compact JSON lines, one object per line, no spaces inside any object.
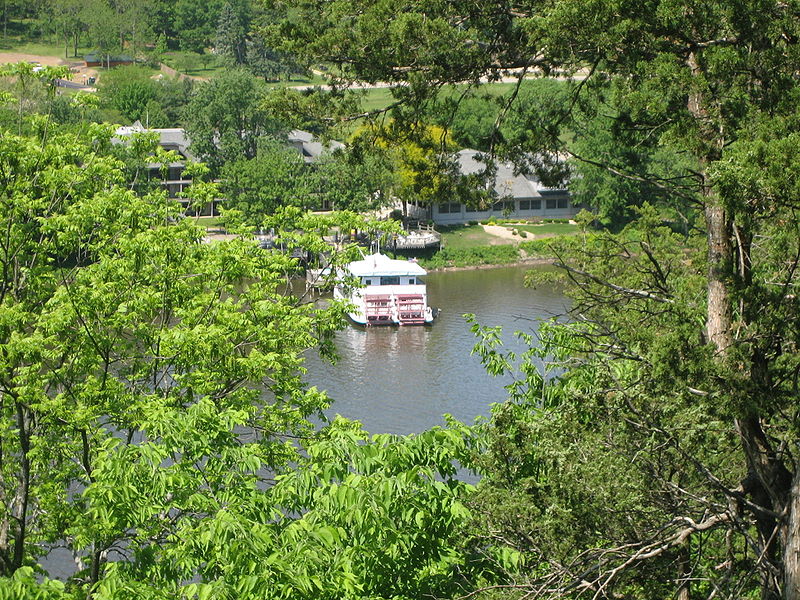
{"x":627,"y":291}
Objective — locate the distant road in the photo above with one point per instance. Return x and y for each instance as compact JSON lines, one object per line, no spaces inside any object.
{"x":579,"y":76}
{"x":66,"y":83}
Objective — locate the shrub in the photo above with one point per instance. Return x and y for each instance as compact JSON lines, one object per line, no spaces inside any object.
{"x":479,"y":255}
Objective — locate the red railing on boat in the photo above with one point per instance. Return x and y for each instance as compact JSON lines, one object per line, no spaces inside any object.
{"x":410,"y":309}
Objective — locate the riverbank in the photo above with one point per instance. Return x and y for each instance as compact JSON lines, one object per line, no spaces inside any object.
{"x":476,"y":247}
{"x":532,"y":261}
{"x":503,"y":251}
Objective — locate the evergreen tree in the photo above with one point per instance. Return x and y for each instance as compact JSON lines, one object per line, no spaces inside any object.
{"x":231,"y":36}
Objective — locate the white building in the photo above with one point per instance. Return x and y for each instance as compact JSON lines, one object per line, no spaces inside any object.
{"x":519,"y":196}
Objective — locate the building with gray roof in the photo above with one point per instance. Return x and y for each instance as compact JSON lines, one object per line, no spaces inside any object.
{"x":517,"y":195}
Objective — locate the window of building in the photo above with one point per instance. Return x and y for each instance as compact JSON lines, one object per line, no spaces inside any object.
{"x":449,"y":207}
{"x":530,"y":204}
{"x":563,"y":203}
{"x":551,"y":203}
{"x":506,"y":207}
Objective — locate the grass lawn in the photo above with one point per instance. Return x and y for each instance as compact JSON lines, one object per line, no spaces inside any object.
{"x":24,"y":37}
{"x":547,"y":228}
{"x":212,"y":222}
{"x":376,"y":99}
{"x":211,"y":65}
{"x":298,"y":80}
{"x":191,"y":63}
{"x":40,"y":48}
{"x":469,"y":236}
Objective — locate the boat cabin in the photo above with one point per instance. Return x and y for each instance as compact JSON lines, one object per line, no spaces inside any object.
{"x":391,"y":280}
{"x":393,"y":292}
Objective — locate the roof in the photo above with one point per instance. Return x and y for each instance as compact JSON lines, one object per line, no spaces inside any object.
{"x":309,"y":146}
{"x":101,"y":56}
{"x":172,"y":138}
{"x":380,"y":264}
{"x":506,"y":181}
{"x":175,"y":138}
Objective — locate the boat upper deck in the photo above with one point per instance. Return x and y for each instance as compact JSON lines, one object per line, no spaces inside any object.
{"x":382,"y":266}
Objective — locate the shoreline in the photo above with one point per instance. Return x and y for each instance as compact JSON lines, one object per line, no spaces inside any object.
{"x":535,"y":261}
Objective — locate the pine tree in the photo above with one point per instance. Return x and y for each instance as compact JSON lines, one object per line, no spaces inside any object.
{"x":231,"y":35}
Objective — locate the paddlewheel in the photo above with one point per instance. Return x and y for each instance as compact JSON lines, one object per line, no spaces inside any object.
{"x":378,"y":309}
{"x":411,"y":309}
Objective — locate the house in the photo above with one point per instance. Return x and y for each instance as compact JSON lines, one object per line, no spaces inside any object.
{"x":177,"y":140}
{"x":172,"y":181}
{"x":310,"y":148}
{"x":96,"y":59}
{"x":518,"y":196}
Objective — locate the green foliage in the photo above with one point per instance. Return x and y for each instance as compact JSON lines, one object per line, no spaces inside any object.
{"x":418,"y":159}
{"x":148,"y":379}
{"x":133,"y":92}
{"x":271,"y":64}
{"x":276,"y":177}
{"x":231,"y":32}
{"x":129,"y":90}
{"x":474,"y":256}
{"x":32,"y":88}
{"x":225,"y":119}
{"x":195,"y":23}
{"x":347,"y":180}
{"x":24,"y":584}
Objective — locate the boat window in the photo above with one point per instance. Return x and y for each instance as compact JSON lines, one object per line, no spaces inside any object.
{"x":390,"y":281}
{"x":367,"y":281}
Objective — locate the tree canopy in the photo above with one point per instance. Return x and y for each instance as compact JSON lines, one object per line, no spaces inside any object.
{"x":699,"y":102}
{"x":155,"y":421}
{"x":649,"y":445}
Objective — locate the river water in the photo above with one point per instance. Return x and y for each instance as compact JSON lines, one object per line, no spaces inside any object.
{"x":403,"y":379}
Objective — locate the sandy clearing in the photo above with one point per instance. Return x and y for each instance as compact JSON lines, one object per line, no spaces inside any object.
{"x":501,"y":232}
{"x":78,"y":71}
{"x":51,"y":61}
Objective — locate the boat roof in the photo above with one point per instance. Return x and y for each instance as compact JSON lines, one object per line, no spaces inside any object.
{"x":380,"y":264}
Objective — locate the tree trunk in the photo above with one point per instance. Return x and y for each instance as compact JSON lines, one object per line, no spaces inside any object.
{"x":20,"y":512}
{"x":791,"y":544}
{"x":684,"y":574}
{"x":720,"y":262}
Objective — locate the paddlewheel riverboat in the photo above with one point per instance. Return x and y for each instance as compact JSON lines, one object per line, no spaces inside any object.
{"x":392,"y":292}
